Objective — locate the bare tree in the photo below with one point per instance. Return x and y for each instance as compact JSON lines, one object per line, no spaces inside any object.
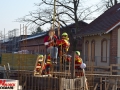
{"x":67,"y":11}
{"x":110,"y":3}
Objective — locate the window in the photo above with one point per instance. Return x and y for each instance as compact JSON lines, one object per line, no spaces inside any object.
{"x":87,"y":50}
{"x":104,"y":50}
{"x":93,"y":50}
{"x":73,"y":30}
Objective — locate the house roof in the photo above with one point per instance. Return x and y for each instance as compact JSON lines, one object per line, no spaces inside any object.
{"x":79,"y":23}
{"x":35,"y":36}
{"x":45,"y":33}
{"x":105,"y":23}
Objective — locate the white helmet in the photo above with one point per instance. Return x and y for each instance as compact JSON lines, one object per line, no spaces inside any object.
{"x":83,"y":65}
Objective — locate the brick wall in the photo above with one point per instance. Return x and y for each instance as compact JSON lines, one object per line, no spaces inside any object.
{"x":113,"y":45}
{"x":34,"y":45}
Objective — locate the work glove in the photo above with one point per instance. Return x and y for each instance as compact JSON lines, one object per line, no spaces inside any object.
{"x":46,"y":43}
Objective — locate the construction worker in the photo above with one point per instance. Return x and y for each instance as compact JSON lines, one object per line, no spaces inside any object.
{"x":52,"y":50}
{"x":79,"y":65}
{"x":64,"y":42}
{"x":39,"y":65}
{"x":48,"y":64}
{"x":63,"y":46}
{"x":67,"y":59}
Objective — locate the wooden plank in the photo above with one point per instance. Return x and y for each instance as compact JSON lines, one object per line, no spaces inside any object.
{"x":100,"y":83}
{"x":105,"y":83}
{"x":107,"y":67}
{"x":84,"y":81}
{"x":95,"y":88}
{"x":98,"y":72}
{"x":42,"y":65}
{"x":73,"y":66}
{"x":41,"y":76}
{"x":115,"y":64}
{"x":71,"y":84}
{"x":115,"y":70}
{"x":111,"y":69}
{"x":107,"y":86}
{"x":113,"y":87}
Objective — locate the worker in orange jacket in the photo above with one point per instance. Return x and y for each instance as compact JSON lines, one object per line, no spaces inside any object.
{"x":64,"y":43}
{"x":52,"y":50}
{"x":67,"y":59}
{"x":39,"y":65}
{"x":63,"y":47}
{"x":48,"y":64}
{"x":79,"y":65}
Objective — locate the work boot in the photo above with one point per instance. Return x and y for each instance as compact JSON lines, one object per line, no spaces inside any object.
{"x":55,"y":61}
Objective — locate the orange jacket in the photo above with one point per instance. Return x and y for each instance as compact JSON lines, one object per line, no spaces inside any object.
{"x":39,"y":66}
{"x":47,"y":39}
{"x":64,"y":43}
{"x":68,"y":58}
{"x":48,"y":63}
{"x":78,"y":61}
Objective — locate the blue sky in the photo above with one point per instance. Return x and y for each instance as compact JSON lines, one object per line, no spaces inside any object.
{"x":10,"y":10}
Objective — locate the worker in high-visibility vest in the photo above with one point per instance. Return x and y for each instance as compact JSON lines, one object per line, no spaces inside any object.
{"x":39,"y":65}
{"x":79,"y":65}
{"x":67,"y":59}
{"x":52,"y":50}
{"x":64,"y":43}
{"x":48,"y":64}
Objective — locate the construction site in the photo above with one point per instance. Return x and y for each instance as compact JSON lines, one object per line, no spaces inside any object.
{"x":31,"y":60}
{"x":21,"y":65}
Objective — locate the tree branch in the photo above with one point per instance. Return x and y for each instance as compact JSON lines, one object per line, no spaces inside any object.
{"x":66,"y":6}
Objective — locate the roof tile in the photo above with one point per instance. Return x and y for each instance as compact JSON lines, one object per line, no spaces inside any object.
{"x":104,"y":22}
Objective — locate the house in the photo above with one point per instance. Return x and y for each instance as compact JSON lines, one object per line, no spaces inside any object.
{"x":12,"y":44}
{"x":34,"y":43}
{"x":102,"y":38}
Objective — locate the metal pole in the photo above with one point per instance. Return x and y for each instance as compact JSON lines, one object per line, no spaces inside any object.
{"x":4,"y":38}
{"x":0,"y":42}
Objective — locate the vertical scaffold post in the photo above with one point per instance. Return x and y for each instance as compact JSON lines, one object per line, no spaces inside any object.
{"x":73,"y":66}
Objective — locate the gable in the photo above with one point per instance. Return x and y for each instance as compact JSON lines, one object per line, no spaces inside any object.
{"x":105,"y":23}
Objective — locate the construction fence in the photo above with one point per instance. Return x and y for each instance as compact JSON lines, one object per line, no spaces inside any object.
{"x":100,"y":75}
{"x":65,"y":80}
{"x":19,"y":61}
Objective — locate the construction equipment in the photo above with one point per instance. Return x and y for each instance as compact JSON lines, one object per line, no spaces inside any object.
{"x":39,"y":65}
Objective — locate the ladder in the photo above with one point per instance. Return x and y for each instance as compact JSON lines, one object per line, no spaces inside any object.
{"x":39,"y":65}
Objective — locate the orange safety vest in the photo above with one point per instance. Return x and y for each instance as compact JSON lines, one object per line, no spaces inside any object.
{"x":39,"y":66}
{"x":65,"y":43}
{"x":68,"y":59}
{"x":78,"y":60}
{"x":48,"y":60}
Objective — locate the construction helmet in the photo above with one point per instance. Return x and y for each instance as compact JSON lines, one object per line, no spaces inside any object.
{"x":40,"y":56}
{"x":77,"y":52}
{"x":64,"y":34}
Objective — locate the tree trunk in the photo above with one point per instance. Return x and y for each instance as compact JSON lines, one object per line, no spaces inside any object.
{"x":115,"y":2}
